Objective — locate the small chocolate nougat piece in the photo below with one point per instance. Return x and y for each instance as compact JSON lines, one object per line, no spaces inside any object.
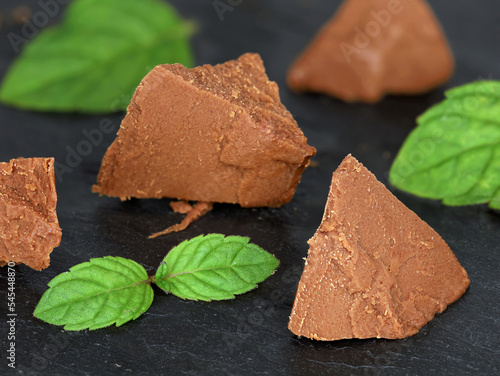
{"x":372,"y":48}
{"x":211,"y":133}
{"x":29,"y":228}
{"x":374,"y":268}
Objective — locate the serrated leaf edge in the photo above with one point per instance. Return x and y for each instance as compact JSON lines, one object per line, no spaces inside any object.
{"x":243,"y":240}
{"x":149,"y":294}
{"x":453,"y":97}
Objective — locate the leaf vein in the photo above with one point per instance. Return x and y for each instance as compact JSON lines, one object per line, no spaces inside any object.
{"x":189,"y":288}
{"x":214,"y":286}
{"x":481,"y":176}
{"x":78,"y":300}
{"x":214,"y":268}
{"x":438,"y":116}
{"x":457,"y":155}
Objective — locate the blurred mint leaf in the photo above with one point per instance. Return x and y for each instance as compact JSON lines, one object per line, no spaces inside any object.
{"x":214,"y":267}
{"x":97,"y":294}
{"x":95,"y":59}
{"x":454,"y":153}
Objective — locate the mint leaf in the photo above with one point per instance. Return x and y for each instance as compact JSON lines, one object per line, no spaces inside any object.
{"x":454,"y":153}
{"x":96,"y":294}
{"x":214,"y":267}
{"x":95,"y":59}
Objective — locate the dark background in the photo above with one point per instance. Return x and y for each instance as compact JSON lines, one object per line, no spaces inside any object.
{"x":249,"y":335}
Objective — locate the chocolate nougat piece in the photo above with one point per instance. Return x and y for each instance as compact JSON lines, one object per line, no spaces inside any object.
{"x":29,"y":228}
{"x":372,"y":48}
{"x":374,"y":268}
{"x":211,"y":134}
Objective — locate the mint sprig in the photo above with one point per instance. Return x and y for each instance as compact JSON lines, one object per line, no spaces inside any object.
{"x":454,"y":153}
{"x":214,"y":268}
{"x":93,"y":61}
{"x":115,"y":290}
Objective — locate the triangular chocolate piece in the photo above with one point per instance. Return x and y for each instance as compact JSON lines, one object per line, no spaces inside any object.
{"x":212,"y":133}
{"x":29,"y":229}
{"x":374,"y":268}
{"x":372,"y":48}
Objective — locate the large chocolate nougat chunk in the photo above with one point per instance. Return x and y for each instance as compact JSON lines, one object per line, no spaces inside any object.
{"x":374,"y":268}
{"x":212,"y":133}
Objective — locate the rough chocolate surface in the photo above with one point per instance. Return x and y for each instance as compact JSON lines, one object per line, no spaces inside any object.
{"x":374,"y":269}
{"x":372,"y":48}
{"x":211,"y":133}
{"x":29,"y":228}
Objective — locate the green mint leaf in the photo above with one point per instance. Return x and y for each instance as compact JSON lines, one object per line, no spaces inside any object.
{"x":96,"y":294}
{"x":454,"y":153}
{"x":95,"y":59}
{"x":214,"y":267}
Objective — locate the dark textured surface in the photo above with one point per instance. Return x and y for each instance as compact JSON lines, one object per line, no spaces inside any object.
{"x":249,"y":335}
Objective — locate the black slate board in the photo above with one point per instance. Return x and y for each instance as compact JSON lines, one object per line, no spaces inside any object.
{"x":249,"y":335}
